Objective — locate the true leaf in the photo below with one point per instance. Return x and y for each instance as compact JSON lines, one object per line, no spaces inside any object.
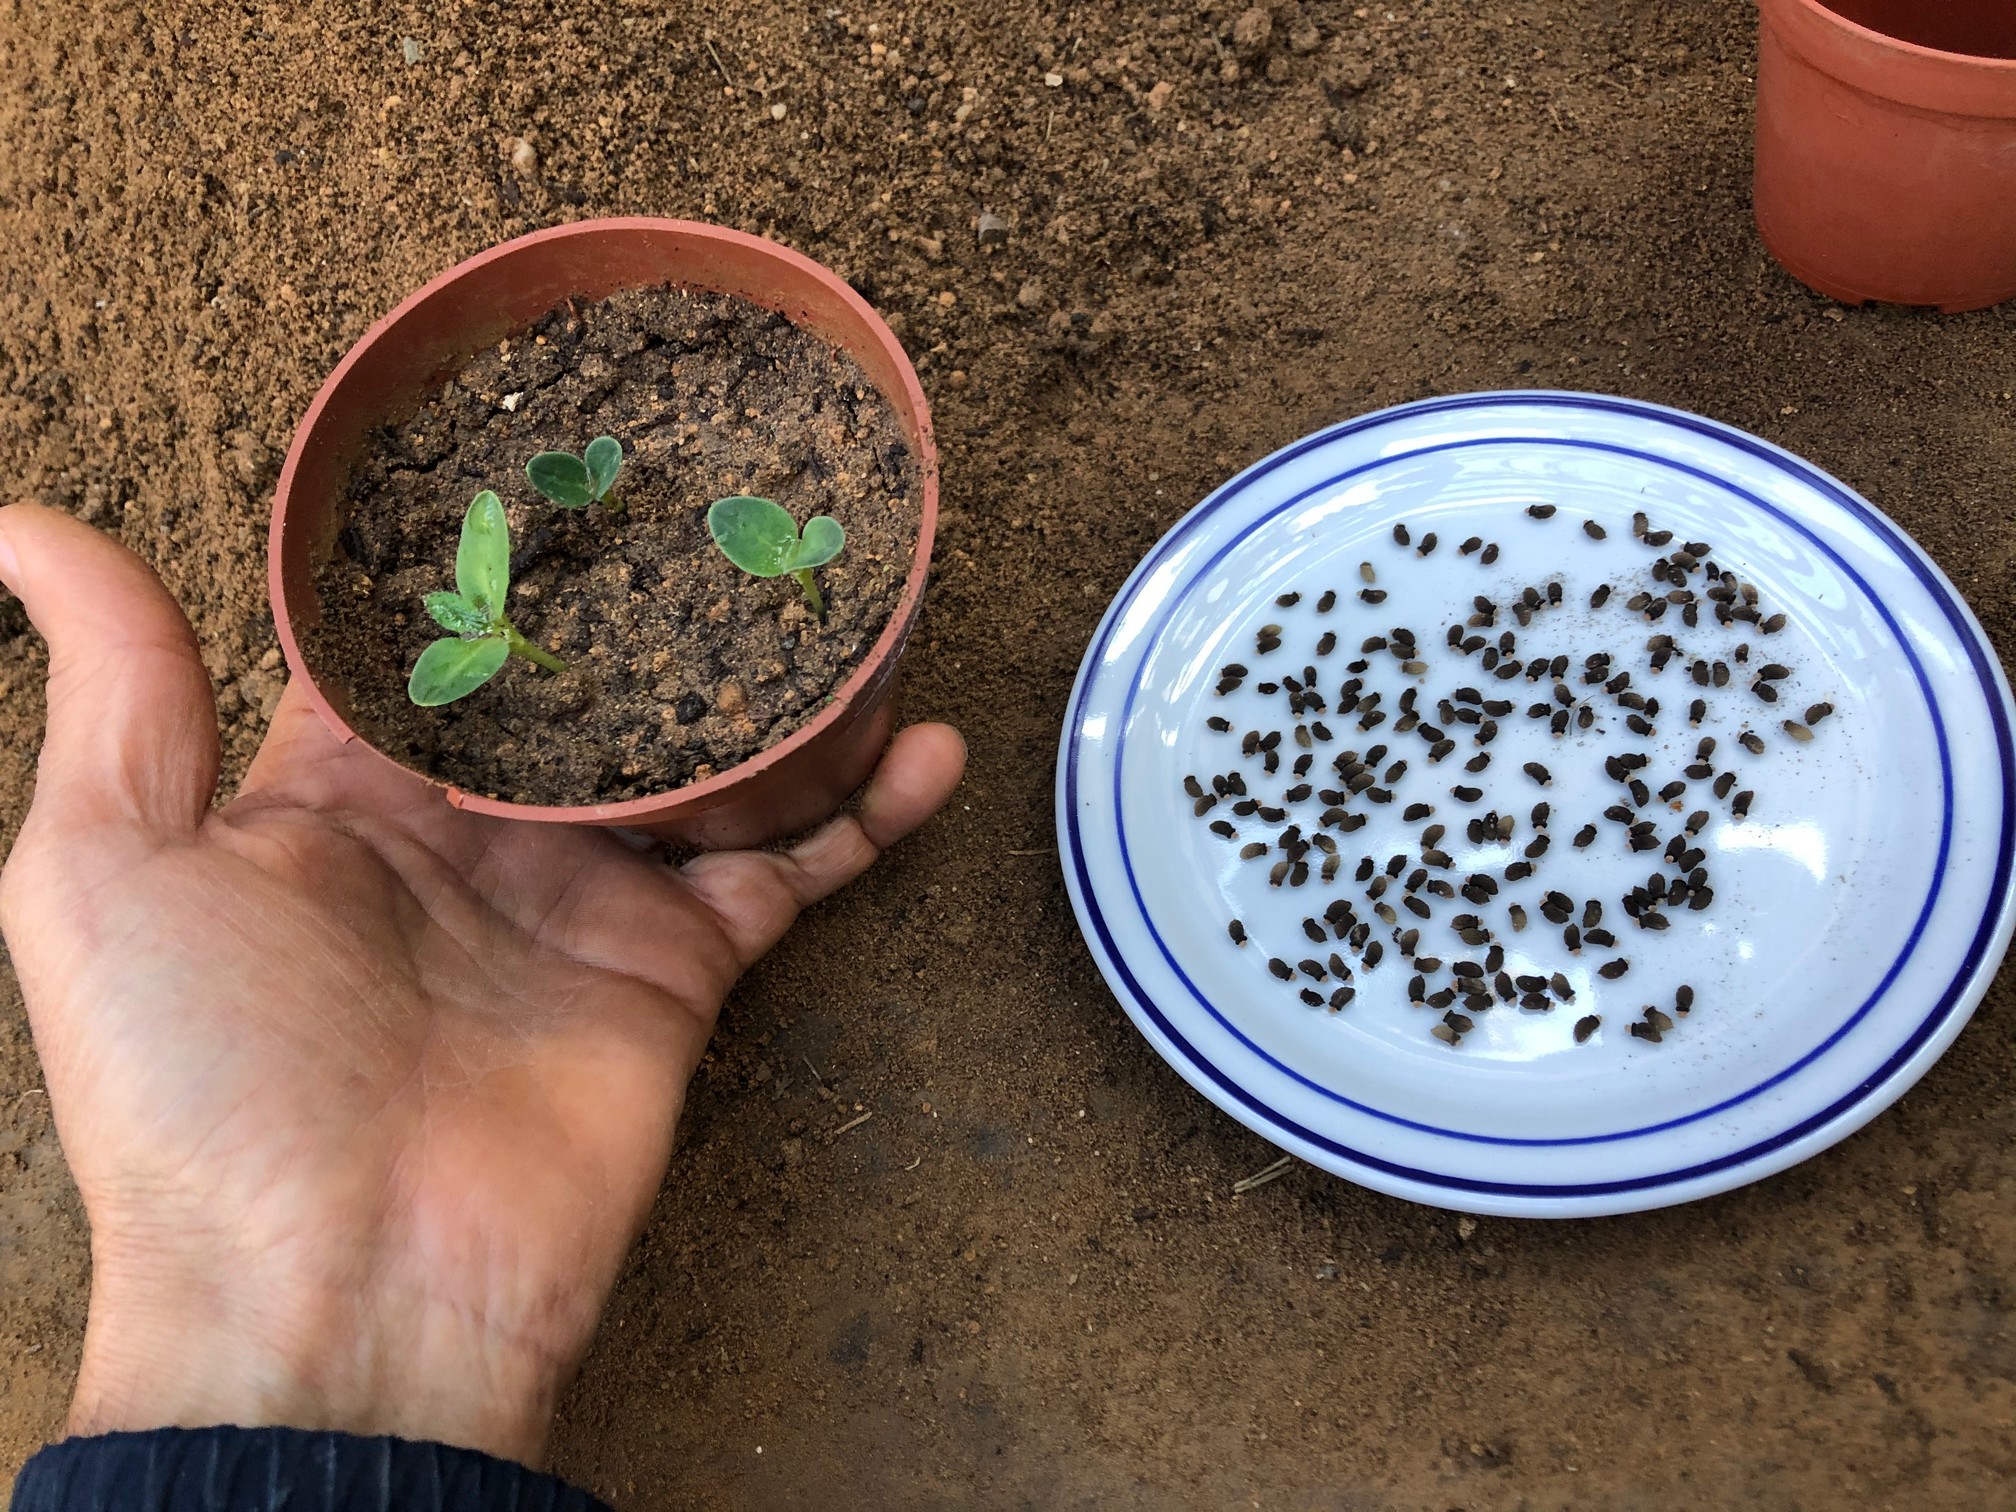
{"x":822,"y":541}
{"x":757,"y":535}
{"x":454,"y":613}
{"x":563,"y":478}
{"x":483,"y":560}
{"x":604,"y":458}
{"x":452,"y":668}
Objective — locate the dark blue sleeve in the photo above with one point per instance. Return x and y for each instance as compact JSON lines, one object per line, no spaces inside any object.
{"x":267,"y":1469}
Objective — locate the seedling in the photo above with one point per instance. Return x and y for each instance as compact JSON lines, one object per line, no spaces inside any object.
{"x":576,"y":482}
{"x":760,"y":537}
{"x":481,"y":638}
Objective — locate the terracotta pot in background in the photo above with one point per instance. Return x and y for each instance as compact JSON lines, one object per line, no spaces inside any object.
{"x":1886,"y":148}
{"x":794,"y":783}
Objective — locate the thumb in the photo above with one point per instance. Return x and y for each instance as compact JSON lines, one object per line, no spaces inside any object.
{"x":132,"y":736}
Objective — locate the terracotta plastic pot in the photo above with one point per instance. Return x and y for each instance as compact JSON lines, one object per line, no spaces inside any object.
{"x":1886,"y":148}
{"x":474,"y":305}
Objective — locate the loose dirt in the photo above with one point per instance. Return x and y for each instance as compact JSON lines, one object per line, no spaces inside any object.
{"x":678,"y":665}
{"x":1027,"y":1282}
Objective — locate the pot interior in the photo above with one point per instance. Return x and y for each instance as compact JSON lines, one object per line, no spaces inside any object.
{"x":1974,"y":28}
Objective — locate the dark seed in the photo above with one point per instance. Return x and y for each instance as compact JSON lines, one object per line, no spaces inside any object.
{"x":1538,"y":773}
{"x":1752,"y":742}
{"x":1818,"y":712}
{"x":1594,"y":531}
{"x":1611,"y":970}
{"x":1237,"y":931}
{"x":1466,"y":794}
{"x":1328,"y":602}
{"x":1312,"y":997}
{"x":1427,"y":544}
{"x":1342,"y":997}
{"x":1585,"y":837}
{"x":1490,"y":554}
{"x":1400,"y":534}
{"x":1289,"y":600}
{"x":1584,"y":1027}
{"x":1280,"y":968}
{"x":1540,"y":511}
{"x":1372,"y":595}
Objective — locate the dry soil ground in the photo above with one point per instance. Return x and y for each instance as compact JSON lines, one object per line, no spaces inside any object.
{"x":1025,"y":1282}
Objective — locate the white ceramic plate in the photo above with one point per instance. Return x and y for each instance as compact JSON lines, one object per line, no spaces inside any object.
{"x":1859,"y":909}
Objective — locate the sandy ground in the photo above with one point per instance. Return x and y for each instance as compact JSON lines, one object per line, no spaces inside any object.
{"x":1025,"y":1282}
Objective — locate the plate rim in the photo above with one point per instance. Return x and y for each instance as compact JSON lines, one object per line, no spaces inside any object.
{"x":1903,"y":1068}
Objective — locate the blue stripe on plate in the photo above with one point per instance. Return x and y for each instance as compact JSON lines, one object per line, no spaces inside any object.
{"x":1882,"y":986}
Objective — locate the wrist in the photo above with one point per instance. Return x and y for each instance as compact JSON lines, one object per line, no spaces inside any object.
{"x":177,"y":1346}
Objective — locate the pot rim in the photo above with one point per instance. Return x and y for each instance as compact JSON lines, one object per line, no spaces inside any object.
{"x":840,"y":708}
{"x":1931,"y":79}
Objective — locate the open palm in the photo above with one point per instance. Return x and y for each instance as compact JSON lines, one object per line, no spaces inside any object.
{"x":366,"y":1096}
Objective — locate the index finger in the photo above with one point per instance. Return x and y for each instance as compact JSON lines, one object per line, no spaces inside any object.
{"x":756,"y":895}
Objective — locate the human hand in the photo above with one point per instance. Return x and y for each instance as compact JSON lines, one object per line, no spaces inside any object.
{"x":366,"y":1097}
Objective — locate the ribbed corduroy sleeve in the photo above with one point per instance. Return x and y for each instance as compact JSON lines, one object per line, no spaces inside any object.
{"x":270,"y":1469}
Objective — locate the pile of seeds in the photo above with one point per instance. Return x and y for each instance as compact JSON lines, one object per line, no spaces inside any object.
{"x":1296,"y":792}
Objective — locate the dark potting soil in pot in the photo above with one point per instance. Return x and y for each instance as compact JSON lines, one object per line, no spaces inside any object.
{"x":679,"y":665}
